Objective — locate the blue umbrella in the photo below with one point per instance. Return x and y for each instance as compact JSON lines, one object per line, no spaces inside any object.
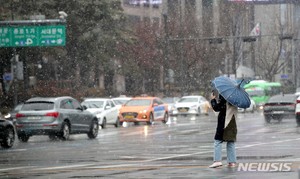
{"x":232,"y":91}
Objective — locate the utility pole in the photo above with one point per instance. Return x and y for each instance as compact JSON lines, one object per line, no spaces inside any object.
{"x":14,"y":64}
{"x":166,"y":55}
{"x":252,"y":24}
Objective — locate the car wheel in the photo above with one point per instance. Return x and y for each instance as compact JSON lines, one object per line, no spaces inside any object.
{"x":198,"y":112}
{"x":118,"y":123}
{"x":252,"y":110}
{"x":151,"y":120}
{"x":279,"y":118}
{"x":92,"y":134}
{"x":65,"y":131}
{"x":166,"y":117}
{"x":267,"y":119}
{"x":9,"y":138}
{"x":103,"y":125}
{"x":23,"y":137}
{"x":52,"y":137}
{"x":298,"y":120}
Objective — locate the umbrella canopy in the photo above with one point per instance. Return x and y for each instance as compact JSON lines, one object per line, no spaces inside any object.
{"x":232,"y":91}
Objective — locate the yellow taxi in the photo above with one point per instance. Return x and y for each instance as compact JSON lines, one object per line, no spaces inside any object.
{"x":144,"y":109}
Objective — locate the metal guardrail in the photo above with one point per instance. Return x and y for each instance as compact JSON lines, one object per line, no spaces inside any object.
{"x":33,"y":22}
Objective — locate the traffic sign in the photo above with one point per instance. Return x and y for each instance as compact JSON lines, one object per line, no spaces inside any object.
{"x":7,"y":76}
{"x":29,"y":36}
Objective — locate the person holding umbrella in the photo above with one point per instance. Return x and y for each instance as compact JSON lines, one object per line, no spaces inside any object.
{"x":231,"y":96}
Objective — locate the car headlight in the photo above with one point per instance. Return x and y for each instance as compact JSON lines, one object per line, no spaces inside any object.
{"x":144,"y":111}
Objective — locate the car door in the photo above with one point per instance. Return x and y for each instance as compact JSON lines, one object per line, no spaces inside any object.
{"x":69,"y":113}
{"x":83,"y":117}
{"x":113,"y":111}
{"x":159,"y":109}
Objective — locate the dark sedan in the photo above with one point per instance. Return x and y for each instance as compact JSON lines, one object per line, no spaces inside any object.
{"x":279,"y":107}
{"x":7,"y":133}
{"x":56,"y":117}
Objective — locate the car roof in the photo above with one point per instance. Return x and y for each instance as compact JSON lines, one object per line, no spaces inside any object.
{"x":147,"y":97}
{"x":96,"y":99}
{"x":50,"y":99}
{"x":122,"y":98}
{"x":193,"y":96}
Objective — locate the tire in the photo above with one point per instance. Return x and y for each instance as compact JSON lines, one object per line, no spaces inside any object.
{"x":267,"y":119}
{"x":52,"y":137}
{"x":9,"y":138}
{"x":118,"y":123}
{"x":23,"y":137}
{"x":93,"y":133}
{"x":199,"y":112}
{"x":166,"y":118}
{"x":65,"y":131}
{"x":103,"y":125}
{"x":279,"y":118}
{"x":298,"y":120}
{"x":151,"y":120}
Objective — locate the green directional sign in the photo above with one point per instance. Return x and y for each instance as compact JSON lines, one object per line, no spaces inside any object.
{"x":30,"y":36}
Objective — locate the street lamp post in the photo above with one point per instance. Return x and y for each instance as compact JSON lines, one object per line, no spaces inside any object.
{"x":166,"y":55}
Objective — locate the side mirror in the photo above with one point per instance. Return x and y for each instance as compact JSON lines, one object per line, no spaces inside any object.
{"x":84,"y":107}
{"x":155,"y":104}
{"x":107,"y":107}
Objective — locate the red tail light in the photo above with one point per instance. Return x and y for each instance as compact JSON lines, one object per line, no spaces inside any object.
{"x":18,"y":115}
{"x":52,"y":114}
{"x":19,"y":125}
{"x":298,"y":100}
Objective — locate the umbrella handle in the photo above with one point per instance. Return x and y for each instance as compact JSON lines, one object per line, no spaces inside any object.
{"x":239,"y":85}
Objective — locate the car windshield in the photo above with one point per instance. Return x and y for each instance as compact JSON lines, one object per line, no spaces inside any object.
{"x":139,"y":102}
{"x":18,"y":107}
{"x":168,"y":100}
{"x":120,"y":101}
{"x":283,"y":99}
{"x":93,"y":104}
{"x":37,"y":106}
{"x":188,"y":100}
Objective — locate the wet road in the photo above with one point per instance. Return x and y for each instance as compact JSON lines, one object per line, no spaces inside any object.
{"x":181,"y":149}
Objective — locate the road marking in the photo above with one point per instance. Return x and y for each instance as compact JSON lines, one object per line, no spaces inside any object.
{"x":211,"y":151}
{"x":64,"y":167}
{"x":265,"y":143}
{"x":16,"y":168}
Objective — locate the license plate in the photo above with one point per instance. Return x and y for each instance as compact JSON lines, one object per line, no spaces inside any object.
{"x":33,"y":118}
{"x":129,"y":117}
{"x":182,"y":110}
{"x":278,"y":112}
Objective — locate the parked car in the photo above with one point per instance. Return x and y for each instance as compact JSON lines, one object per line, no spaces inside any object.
{"x":279,"y":107}
{"x":144,"y":109}
{"x":298,"y":111}
{"x":252,"y":107}
{"x":105,"y":109}
{"x":171,"y":102}
{"x":195,"y":105}
{"x":56,"y":117}
{"x":7,"y":133}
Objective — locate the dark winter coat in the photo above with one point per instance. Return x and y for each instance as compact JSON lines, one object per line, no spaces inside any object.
{"x":230,"y":132}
